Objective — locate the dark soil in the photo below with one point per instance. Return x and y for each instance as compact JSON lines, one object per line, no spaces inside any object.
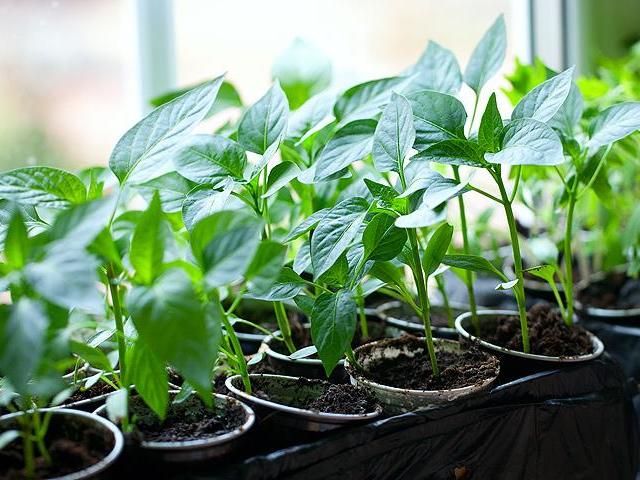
{"x":457,"y":369}
{"x":616,"y":291}
{"x":99,"y":388}
{"x":262,"y":315}
{"x":189,"y":420}
{"x":548,"y":334}
{"x":73,"y":446}
{"x":302,"y":337}
{"x":405,"y":312}
{"x":344,"y":399}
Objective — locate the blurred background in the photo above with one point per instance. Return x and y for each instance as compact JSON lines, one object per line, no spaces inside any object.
{"x":75,"y":74}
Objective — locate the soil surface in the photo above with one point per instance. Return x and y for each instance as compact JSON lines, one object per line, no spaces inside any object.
{"x":457,"y":369}
{"x":344,"y":399}
{"x":72,"y":445}
{"x":189,"y":420}
{"x":615,"y":291}
{"x":99,"y":388}
{"x":548,"y":334}
{"x":265,"y":317}
{"x":302,"y":337}
{"x":405,"y":312}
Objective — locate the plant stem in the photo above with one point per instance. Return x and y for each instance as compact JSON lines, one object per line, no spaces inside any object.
{"x":468,"y":274}
{"x":445,"y":300}
{"x":283,"y":325}
{"x":237,"y":350}
{"x":568,"y":258}
{"x":518,"y":289}
{"x":41,"y":431}
{"x":117,"y":314}
{"x":27,"y":445}
{"x":364,"y":327}
{"x":423,"y":298}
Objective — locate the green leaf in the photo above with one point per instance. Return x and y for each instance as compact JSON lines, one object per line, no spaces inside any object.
{"x":490,"y":127}
{"x":310,"y":115}
{"x":279,"y":177}
{"x":546,"y":272}
{"x":568,"y":117}
{"x":303,"y":70}
{"x":394,"y":135}
{"x":351,"y":143}
{"x":16,"y":243}
{"x":172,"y":187}
{"x":42,"y":186}
{"x":265,"y":266}
{"x":307,"y":224}
{"x":225,"y":243}
{"x":422,"y":216}
{"x":333,"y":324}
{"x":228,"y":97}
{"x":528,"y":142}
{"x":437,"y":116}
{"x":170,"y":319}
{"x":265,"y":122}
{"x":385,"y":195}
{"x":366,"y":99}
{"x":336,"y":231}
{"x":210,"y":159}
{"x":388,"y":273}
{"x":544,"y":101}
{"x":22,"y":341}
{"x":149,"y":375}
{"x":93,"y":356}
{"x":382,"y":240}
{"x":7,"y":437}
{"x":474,"y":263}
{"x":436,"y":248}
{"x":611,"y":125}
{"x":78,"y":226}
{"x":147,"y":244}
{"x":436,"y":188}
{"x":205,"y":200}
{"x":68,"y":278}
{"x":118,"y":405}
{"x":288,"y":285}
{"x":438,"y":70}
{"x":487,"y":57}
{"x":453,"y":152}
{"x":145,"y":151}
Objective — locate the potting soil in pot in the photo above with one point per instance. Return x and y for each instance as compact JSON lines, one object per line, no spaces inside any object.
{"x":616,"y":291}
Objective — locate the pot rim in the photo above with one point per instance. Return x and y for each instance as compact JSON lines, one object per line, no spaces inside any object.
{"x":413,"y":326}
{"x":250,"y":418}
{"x":266,"y":348}
{"x":596,"y":343}
{"x":299,"y":412}
{"x":353,"y":373}
{"x":611,"y":313}
{"x":106,"y":461}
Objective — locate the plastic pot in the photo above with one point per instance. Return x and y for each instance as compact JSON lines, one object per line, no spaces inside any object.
{"x":399,"y":400}
{"x":81,"y":419}
{"x":517,"y":361}
{"x":194,"y":450}
{"x":627,"y":316}
{"x":292,"y":417}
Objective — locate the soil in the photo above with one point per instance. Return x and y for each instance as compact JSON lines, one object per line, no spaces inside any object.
{"x":99,"y":388}
{"x":73,"y":446}
{"x":616,"y":291}
{"x":302,"y":337}
{"x":264,"y":317}
{"x":405,"y":312}
{"x":344,"y":399}
{"x":548,"y":334}
{"x":457,"y":369}
{"x":189,"y":420}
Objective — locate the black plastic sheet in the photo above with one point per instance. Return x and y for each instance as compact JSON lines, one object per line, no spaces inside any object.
{"x":577,"y":422}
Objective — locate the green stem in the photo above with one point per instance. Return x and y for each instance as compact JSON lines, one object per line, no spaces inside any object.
{"x":283,"y":325}
{"x":468,"y":274}
{"x":445,"y":300}
{"x":239,"y":356}
{"x":364,"y":327}
{"x":27,"y":445}
{"x":39,"y":437}
{"x":518,"y":290}
{"x":117,"y":314}
{"x":568,"y":258}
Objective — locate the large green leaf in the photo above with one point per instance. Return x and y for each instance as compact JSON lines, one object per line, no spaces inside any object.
{"x":528,"y":142}
{"x":487,"y":57}
{"x":382,"y":240}
{"x":436,"y":248}
{"x":170,"y":319}
{"x":474,"y":263}
{"x":279,"y":177}
{"x":394,"y":135}
{"x":436,"y":189}
{"x":147,"y":244}
{"x":333,"y":323}
{"x":351,"y":143}
{"x":366,"y":99}
{"x":16,"y":244}
{"x":303,"y":70}
{"x":78,"y":226}
{"x":422,"y":216}
{"x":228,"y":97}
{"x":437,"y":116}
{"x":206,"y":200}
{"x":145,"y":150}
{"x":307,"y":224}
{"x":22,"y":341}
{"x":225,"y":243}
{"x":172,"y":187}
{"x":544,"y":101}
{"x":438,"y":70}
{"x":265,"y":267}
{"x":612,"y":124}
{"x":303,"y":120}
{"x":265,"y":122}
{"x":490,"y":128}
{"x":288,"y":285}
{"x":149,"y":374}
{"x":568,"y":117}
{"x":210,"y":159}
{"x":337,"y":229}
{"x":453,"y":152}
{"x":42,"y":186}
{"x":92,"y":355}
